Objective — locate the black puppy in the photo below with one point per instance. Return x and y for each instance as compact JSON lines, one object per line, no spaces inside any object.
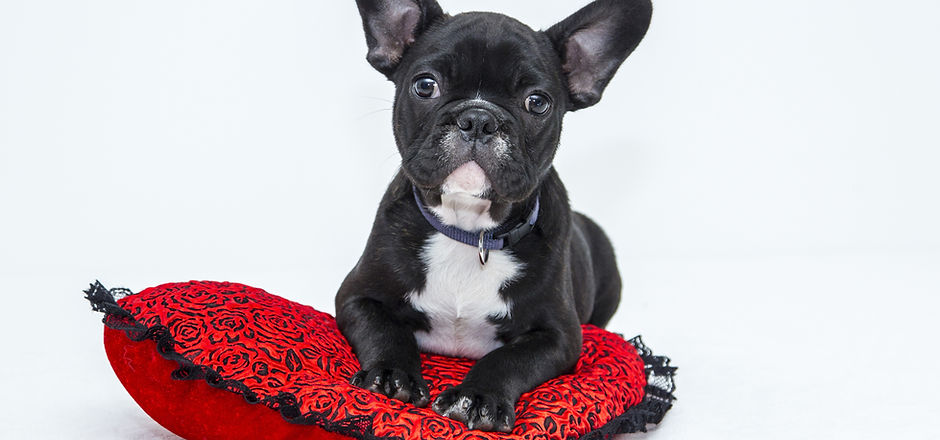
{"x":475,"y":251}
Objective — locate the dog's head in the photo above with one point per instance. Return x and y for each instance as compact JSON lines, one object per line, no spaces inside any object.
{"x":480,"y":96}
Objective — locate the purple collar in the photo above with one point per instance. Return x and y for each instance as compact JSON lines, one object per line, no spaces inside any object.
{"x":485,"y":240}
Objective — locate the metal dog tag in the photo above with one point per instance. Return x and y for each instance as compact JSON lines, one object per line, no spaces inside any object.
{"x":484,"y":252}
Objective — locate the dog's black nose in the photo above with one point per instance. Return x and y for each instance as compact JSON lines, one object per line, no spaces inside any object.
{"x":477,"y":124}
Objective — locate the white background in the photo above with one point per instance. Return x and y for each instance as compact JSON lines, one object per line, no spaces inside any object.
{"x":768,"y":172}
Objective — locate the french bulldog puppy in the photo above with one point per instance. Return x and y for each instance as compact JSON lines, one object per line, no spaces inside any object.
{"x":475,"y":251}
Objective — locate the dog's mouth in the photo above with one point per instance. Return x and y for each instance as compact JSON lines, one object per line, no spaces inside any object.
{"x":468,"y":179}
{"x":446,"y":164}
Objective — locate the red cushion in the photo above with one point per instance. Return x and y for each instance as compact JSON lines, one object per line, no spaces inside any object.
{"x":253,"y":347}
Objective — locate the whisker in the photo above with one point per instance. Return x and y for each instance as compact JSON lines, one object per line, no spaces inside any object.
{"x":365,"y":115}
{"x":375,"y":98}
{"x":389,"y":157}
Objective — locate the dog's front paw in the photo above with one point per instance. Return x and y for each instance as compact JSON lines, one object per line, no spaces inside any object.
{"x":479,"y":410}
{"x":394,"y":383}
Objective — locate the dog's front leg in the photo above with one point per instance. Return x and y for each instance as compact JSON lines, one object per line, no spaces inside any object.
{"x":387,"y":351}
{"x":486,"y":399}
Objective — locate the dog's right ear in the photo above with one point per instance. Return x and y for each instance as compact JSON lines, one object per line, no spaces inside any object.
{"x":393,"y":25}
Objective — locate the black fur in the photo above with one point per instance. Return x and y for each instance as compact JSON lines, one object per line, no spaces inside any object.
{"x":570,"y":274}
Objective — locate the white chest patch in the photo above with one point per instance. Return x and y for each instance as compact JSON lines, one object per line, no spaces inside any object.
{"x":460,"y":296}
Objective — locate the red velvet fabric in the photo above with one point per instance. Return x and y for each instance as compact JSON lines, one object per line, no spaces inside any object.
{"x":194,"y":410}
{"x":280,"y":353}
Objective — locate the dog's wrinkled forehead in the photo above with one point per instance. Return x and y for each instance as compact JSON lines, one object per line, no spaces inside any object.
{"x":484,"y":53}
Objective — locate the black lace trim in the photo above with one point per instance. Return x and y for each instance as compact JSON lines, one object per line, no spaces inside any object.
{"x":657,"y":401}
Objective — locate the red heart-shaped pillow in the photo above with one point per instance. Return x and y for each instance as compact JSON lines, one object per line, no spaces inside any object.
{"x":258,"y":352}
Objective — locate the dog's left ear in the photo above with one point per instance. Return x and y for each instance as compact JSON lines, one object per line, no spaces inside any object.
{"x":594,"y":41}
{"x":393,"y":25}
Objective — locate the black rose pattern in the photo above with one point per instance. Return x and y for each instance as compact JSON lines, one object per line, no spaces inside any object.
{"x":275,"y":346}
{"x":270,"y":325}
{"x":187,"y":331}
{"x":228,"y":326}
{"x":236,"y":357}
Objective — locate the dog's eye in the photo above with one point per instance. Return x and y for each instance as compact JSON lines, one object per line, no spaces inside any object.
{"x":538,"y":104}
{"x":427,"y":88}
